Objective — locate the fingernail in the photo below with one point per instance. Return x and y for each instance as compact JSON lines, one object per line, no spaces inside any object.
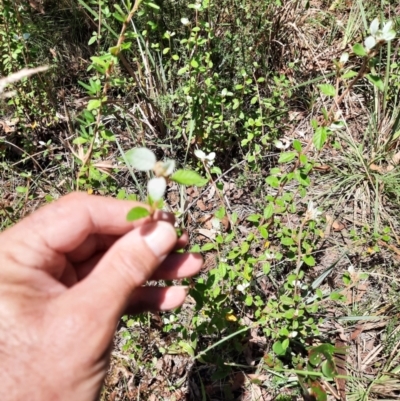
{"x":160,"y":238}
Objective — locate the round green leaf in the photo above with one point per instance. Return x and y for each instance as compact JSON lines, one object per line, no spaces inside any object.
{"x":141,"y":159}
{"x":278,"y":349}
{"x":309,"y":260}
{"x":137,"y":213}
{"x":315,"y":357}
{"x":328,"y":369}
{"x":187,"y":177}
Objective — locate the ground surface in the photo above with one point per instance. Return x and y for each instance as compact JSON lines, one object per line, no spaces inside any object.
{"x":239,"y":306}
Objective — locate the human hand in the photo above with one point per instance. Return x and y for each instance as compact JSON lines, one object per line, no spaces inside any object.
{"x":67,"y":274}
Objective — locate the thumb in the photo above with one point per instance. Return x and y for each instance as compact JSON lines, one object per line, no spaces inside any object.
{"x":128,"y":264}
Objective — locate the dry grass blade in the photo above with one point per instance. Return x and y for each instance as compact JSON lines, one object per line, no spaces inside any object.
{"x":24,"y":73}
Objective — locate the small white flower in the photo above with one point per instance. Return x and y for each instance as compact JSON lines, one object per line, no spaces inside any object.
{"x":350,"y":269}
{"x":207,"y":159}
{"x":269,"y":256}
{"x":344,"y":58}
{"x":169,"y":34}
{"x":337,"y":125}
{"x":283,"y":144}
{"x":156,"y":188}
{"x":293,"y":334}
{"x":370,"y":42}
{"x":185,"y":21}
{"x":242,"y":287}
{"x":374,"y":27}
{"x":388,"y":33}
{"x":165,"y":168}
{"x":387,"y":27}
{"x":312,"y":213}
{"x":216,"y":224}
{"x":385,"y":34}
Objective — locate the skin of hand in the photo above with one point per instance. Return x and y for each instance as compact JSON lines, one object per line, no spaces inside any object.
{"x":68,"y":272}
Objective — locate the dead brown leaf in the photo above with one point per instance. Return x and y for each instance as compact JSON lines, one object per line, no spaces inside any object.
{"x":210,"y":234}
{"x":8,"y":127}
{"x":238,"y":381}
{"x":340,"y":362}
{"x":255,"y":376}
{"x":396,"y":158}
{"x":322,"y":167}
{"x":226,"y":223}
{"x":338,"y":226}
{"x":37,"y":5}
{"x":375,"y":167}
{"x":200,"y":204}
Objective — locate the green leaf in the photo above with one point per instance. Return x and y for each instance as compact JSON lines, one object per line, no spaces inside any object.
{"x":309,"y":260}
{"x":249,"y":300}
{"x":287,"y":157}
{"x":303,"y":159}
{"x":137,"y":213}
{"x":188,"y":177}
{"x":359,"y":50}
{"x":152,"y":5}
{"x":244,"y":248}
{"x":194,"y":63}
{"x":187,"y":348}
{"x":141,"y":159}
{"x":269,"y":211}
{"x":263,"y":231}
{"x":346,"y":278}
{"x":297,"y":145}
{"x":315,"y":357}
{"x":278,"y":349}
{"x":336,"y":296}
{"x":207,"y":247}
{"x":21,"y":190}
{"x":79,"y":141}
{"x":273,"y":181}
{"x":285,"y":344}
{"x":327,"y":89}
{"x":318,"y":392}
{"x":115,"y":50}
{"x":182,"y":70}
{"x":328,"y":369}
{"x":377,"y":81}
{"x":320,"y":137}
{"x":220,"y":213}
{"x":287,"y":241}
{"x":349,"y":74}
{"x":87,"y":87}
{"x":94,"y":104}
{"x":266,"y":268}
{"x":254,"y":218}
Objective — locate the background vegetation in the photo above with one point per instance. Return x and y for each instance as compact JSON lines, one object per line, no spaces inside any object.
{"x":298,"y":223}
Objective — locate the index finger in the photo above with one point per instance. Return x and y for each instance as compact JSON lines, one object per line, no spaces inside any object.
{"x":42,"y":239}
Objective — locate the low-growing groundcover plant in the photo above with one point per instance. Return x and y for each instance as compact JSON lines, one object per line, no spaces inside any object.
{"x":144,"y":159}
{"x":176,"y":77}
